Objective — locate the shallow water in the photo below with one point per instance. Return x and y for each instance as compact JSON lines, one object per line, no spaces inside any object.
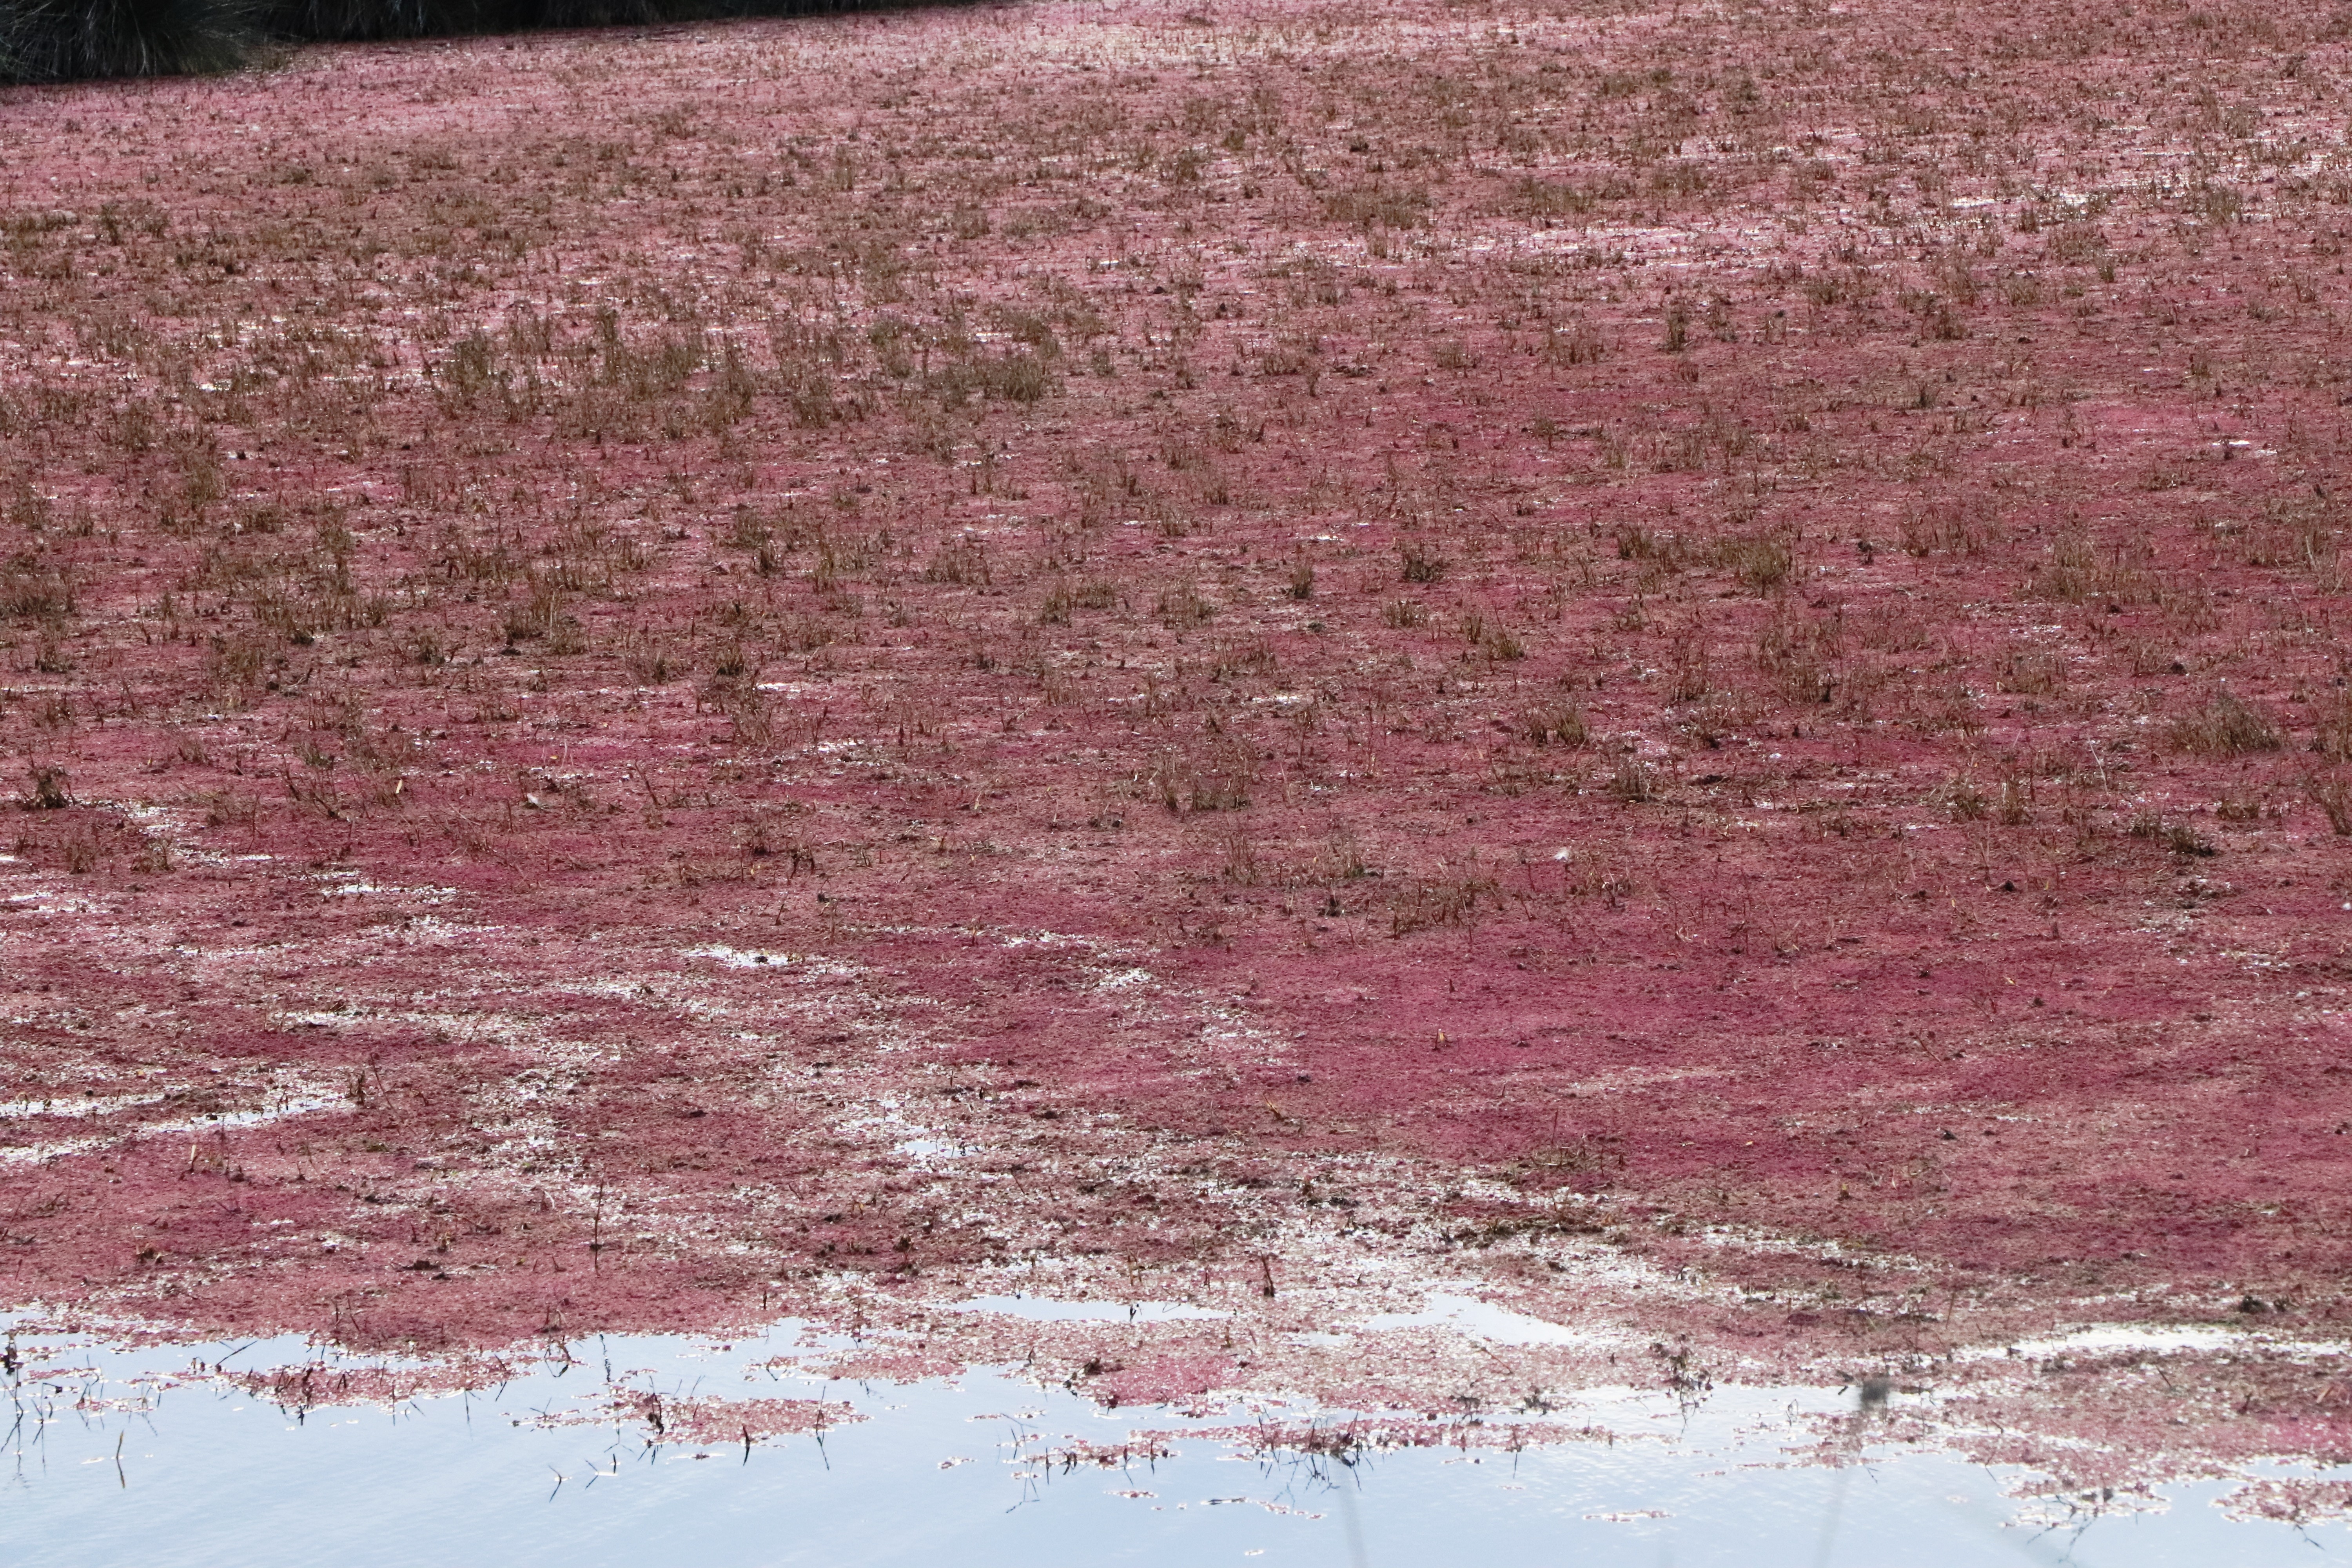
{"x":122,"y":1455}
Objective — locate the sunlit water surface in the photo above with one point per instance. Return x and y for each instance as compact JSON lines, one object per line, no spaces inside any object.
{"x":119,"y":1455}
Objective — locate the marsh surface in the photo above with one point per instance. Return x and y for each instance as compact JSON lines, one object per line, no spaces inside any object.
{"x":1675,"y":671}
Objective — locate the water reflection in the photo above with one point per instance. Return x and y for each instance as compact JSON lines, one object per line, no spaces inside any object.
{"x":754,"y":1452}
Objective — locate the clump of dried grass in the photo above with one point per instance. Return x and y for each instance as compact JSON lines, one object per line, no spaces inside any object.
{"x":2224,"y":727}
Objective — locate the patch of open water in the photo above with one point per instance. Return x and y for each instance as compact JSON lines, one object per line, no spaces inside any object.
{"x":156,"y":1454}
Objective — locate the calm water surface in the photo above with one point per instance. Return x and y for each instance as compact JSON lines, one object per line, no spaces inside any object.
{"x":116,"y":1458}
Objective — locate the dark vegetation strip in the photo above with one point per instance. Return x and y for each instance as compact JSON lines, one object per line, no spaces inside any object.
{"x":66,"y":40}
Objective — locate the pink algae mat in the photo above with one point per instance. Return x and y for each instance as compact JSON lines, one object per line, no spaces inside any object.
{"x":1681,"y":672}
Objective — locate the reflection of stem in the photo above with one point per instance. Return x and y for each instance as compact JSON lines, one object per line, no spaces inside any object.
{"x":1354,"y":1528}
{"x":1870,"y":1401}
{"x":1829,"y":1521}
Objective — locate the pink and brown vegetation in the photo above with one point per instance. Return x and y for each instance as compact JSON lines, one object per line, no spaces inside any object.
{"x":1683,"y":659}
